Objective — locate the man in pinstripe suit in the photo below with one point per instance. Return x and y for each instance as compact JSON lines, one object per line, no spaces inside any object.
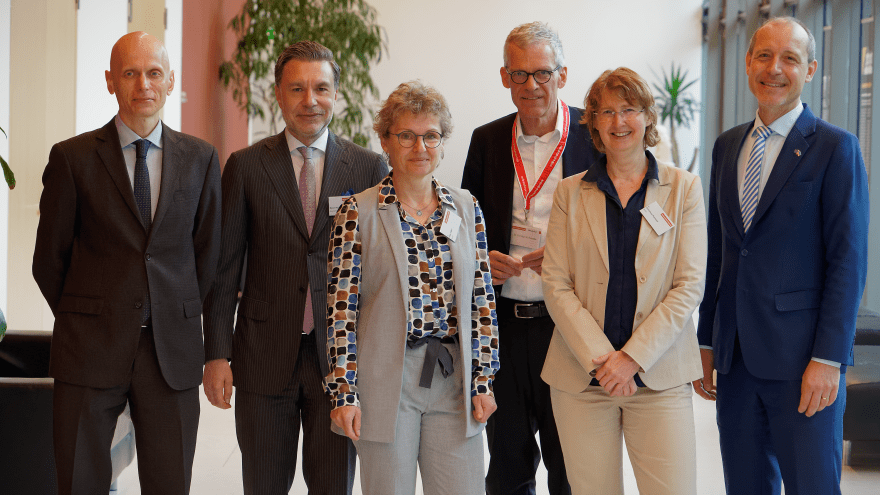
{"x":276,"y":213}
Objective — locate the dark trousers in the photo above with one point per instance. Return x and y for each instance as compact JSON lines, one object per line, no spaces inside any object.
{"x":765,"y":441}
{"x":165,"y":425}
{"x":523,"y":409}
{"x":268,"y":434}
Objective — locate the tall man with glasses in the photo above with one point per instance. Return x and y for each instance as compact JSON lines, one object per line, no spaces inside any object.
{"x":788,"y":227}
{"x":126,"y":252}
{"x":513,"y":167}
{"x":279,"y":196}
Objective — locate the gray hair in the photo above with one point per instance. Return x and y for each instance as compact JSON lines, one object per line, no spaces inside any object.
{"x":791,"y":21}
{"x":525,"y":35}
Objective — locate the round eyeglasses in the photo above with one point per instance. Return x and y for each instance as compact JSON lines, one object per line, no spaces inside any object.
{"x":541,"y":76}
{"x":608,"y":115}
{"x":407,"y":139}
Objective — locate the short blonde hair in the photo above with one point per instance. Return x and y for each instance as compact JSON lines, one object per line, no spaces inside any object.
{"x":630,"y":86}
{"x":416,"y":98}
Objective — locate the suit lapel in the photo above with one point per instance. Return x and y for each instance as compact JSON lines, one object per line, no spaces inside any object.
{"x":110,"y":152}
{"x":592,"y":203}
{"x":503,"y":175}
{"x":279,"y":168}
{"x":336,"y":175}
{"x":729,"y":190}
{"x":172,"y":161}
{"x":657,"y":191}
{"x":787,"y":160}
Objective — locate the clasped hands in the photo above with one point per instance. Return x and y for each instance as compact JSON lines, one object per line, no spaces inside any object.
{"x":616,"y":373}
{"x":504,"y":266}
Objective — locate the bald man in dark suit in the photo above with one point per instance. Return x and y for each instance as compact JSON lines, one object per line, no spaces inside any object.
{"x":126,"y":251}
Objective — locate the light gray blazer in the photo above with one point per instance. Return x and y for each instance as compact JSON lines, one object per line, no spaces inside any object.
{"x":384,"y":299}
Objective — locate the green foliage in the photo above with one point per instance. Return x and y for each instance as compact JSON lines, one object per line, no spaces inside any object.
{"x":7,"y":173}
{"x":266,"y":27}
{"x":673,"y":99}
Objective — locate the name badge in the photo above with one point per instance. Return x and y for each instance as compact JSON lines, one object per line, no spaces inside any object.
{"x":450,"y":224}
{"x":525,"y":236}
{"x":658,"y":219}
{"x":335,"y":202}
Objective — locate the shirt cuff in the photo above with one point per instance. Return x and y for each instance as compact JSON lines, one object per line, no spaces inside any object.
{"x":826,"y":361}
{"x":340,"y":400}
{"x":709,"y":347}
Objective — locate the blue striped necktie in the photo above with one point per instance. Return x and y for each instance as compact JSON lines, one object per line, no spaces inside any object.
{"x":752,"y":180}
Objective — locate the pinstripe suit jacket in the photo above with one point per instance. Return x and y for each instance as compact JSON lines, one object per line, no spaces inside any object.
{"x":263,"y":220}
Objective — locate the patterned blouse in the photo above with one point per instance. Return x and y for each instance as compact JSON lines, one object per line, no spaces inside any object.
{"x":431,"y":312}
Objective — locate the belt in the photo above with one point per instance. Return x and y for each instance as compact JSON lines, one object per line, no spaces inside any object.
{"x":436,"y":352}
{"x":520,"y":309}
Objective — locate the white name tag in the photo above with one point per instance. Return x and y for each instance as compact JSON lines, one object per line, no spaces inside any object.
{"x":657,"y":218}
{"x":450,"y":224}
{"x":335,"y":202}
{"x":527,"y":237}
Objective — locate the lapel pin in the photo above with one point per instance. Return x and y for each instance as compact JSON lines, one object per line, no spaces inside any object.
{"x":797,"y":152}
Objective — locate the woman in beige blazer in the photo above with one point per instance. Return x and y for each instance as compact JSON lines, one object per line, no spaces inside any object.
{"x":412,"y":336}
{"x":622,"y":292}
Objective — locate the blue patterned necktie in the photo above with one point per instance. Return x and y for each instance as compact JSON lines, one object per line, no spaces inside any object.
{"x":142,"y":198}
{"x":307,"y":196}
{"x":752,"y":180}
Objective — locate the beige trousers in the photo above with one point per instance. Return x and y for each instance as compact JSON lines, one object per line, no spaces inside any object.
{"x":658,"y":427}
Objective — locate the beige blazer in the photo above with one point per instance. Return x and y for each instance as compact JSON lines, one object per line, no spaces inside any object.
{"x":670,"y":268}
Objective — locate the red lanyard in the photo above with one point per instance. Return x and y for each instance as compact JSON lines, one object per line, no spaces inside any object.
{"x":548,"y":168}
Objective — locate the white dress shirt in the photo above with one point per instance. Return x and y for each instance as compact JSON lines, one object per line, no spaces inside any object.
{"x":535,"y":152}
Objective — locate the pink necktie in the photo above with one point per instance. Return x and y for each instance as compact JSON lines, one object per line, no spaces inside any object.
{"x":307,"y":196}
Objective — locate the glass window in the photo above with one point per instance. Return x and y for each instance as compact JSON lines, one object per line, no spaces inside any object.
{"x":866,"y":91}
{"x":825,"y":66}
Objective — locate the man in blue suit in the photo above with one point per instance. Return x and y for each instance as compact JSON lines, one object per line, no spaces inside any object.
{"x":788,"y":225}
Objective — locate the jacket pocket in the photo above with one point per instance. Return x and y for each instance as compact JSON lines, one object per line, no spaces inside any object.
{"x":254,"y":309}
{"x":80,"y":304}
{"x":192,"y":308}
{"x":802,"y":299}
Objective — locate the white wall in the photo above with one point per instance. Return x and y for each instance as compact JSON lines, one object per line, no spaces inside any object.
{"x":456,"y":46}
{"x":5,"y":14}
{"x":99,"y":23}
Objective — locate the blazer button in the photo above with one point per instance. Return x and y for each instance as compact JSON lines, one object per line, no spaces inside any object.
{"x":638,"y":316}
{"x":138,"y":305}
{"x":642,"y":279}
{"x":744,"y":252}
{"x":148,"y":257}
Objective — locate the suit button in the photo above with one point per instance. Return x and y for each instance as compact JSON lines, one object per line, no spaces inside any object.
{"x":302,"y":289}
{"x":138,"y":305}
{"x":744,"y":252}
{"x":638,"y":316}
{"x":148,"y":257}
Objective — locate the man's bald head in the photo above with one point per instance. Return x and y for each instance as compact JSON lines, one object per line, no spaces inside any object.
{"x":140,"y":76}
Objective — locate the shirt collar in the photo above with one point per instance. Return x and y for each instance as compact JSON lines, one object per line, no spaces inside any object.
{"x":127,"y":136}
{"x":387,"y":194}
{"x":550,"y":136}
{"x":784,"y":124}
{"x":293,"y":144}
{"x":599,"y":170}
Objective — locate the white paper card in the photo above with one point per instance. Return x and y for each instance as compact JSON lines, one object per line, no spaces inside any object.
{"x":450,"y":224}
{"x":525,"y":236}
{"x":657,"y":218}
{"x":335,"y":202}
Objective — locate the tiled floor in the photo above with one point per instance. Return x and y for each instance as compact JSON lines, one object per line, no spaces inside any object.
{"x":217,"y":468}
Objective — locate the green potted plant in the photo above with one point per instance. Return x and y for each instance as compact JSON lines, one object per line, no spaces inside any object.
{"x":266,"y":27}
{"x":677,"y":106}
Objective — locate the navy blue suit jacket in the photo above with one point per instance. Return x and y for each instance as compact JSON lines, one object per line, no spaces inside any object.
{"x":791,"y":286}
{"x":489,"y":174}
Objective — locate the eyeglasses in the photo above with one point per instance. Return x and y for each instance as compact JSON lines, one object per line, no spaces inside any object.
{"x":626,"y":113}
{"x":541,"y":76}
{"x":407,"y":139}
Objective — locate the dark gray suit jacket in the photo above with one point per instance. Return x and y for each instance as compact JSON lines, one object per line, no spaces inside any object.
{"x":263,"y":218}
{"x":95,"y":262}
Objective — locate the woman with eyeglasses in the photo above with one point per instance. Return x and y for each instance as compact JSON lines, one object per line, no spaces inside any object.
{"x":412,"y":337}
{"x":623,"y":273}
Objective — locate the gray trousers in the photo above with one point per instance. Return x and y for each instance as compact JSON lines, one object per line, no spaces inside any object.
{"x":430,"y":432}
